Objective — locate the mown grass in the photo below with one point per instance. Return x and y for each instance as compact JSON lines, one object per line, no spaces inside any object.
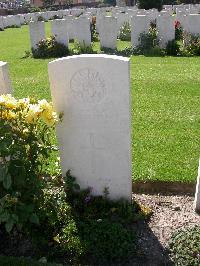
{"x":165,"y":105}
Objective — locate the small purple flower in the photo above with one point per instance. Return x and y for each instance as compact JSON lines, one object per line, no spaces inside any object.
{"x":87,"y":199}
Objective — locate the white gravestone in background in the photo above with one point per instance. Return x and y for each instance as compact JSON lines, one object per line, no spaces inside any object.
{"x":22,"y":19}
{"x":1,"y":23}
{"x":108,"y":32}
{"x":82,"y":30}
{"x":70,"y":26}
{"x":37,"y":32}
{"x":193,"y":24}
{"x":93,"y":92}
{"x":5,"y":84}
{"x":58,"y":28}
{"x":197,"y":195}
{"x":166,"y":29}
{"x":139,"y":24}
{"x":17,"y":21}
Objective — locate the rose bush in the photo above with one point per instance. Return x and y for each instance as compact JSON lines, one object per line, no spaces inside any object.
{"x":25,"y":144}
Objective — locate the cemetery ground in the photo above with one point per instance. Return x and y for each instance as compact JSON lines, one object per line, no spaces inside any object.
{"x":165,"y":127}
{"x":165,"y":105}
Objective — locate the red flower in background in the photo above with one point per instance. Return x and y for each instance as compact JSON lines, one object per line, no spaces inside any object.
{"x":177,"y":24}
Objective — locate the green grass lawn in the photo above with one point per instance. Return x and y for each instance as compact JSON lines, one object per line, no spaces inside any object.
{"x":165,"y":106}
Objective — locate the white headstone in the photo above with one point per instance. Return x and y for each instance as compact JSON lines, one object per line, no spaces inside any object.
{"x":76,"y":11}
{"x":139,"y":24}
{"x":17,"y":21}
{"x":1,"y":23}
{"x":193,"y":22}
{"x":59,"y":30}
{"x":197,"y":195}
{"x":82,"y":30}
{"x":166,"y":29}
{"x":141,"y":12}
{"x":70,"y":26}
{"x":22,"y":19}
{"x":5,"y":84}
{"x":34,"y":17}
{"x":153,"y":14}
{"x":27,"y":17}
{"x":60,"y":13}
{"x":37,"y":32}
{"x":66,"y":12}
{"x":108,"y":32}
{"x":93,"y":92}
{"x":44,"y":15}
{"x":100,"y":15}
{"x":121,"y":19}
{"x":8,"y":21}
{"x":120,"y":3}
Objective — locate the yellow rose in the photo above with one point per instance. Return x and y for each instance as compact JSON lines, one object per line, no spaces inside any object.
{"x":50,"y":118}
{"x":33,"y":113}
{"x":2,"y":100}
{"x":11,"y":115}
{"x":3,"y":114}
{"x":10,"y":102}
{"x":23,"y":102}
{"x":43,"y":104}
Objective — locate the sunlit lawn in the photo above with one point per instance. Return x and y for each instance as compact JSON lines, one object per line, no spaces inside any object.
{"x":165,"y":105}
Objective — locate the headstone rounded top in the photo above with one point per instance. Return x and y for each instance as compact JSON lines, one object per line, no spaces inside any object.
{"x":88,"y":56}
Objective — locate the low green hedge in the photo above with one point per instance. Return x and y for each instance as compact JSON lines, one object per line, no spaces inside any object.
{"x":184,"y":247}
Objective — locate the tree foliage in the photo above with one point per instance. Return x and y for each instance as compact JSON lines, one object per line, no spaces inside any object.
{"x":148,"y":4}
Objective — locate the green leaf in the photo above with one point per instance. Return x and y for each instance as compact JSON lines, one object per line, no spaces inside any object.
{"x":34,"y":218}
{"x":9,"y":225}
{"x":4,"y":216}
{"x":7,"y":181}
{"x":14,"y":217}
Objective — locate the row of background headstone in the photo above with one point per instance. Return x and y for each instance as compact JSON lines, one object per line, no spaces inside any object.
{"x":21,"y":19}
{"x":108,"y":28}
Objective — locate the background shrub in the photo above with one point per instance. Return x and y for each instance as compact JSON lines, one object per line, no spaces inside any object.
{"x":125,"y":32}
{"x":173,"y":48}
{"x":94,"y":34}
{"x":148,"y":41}
{"x":178,"y":31}
{"x":82,"y":48}
{"x":48,"y":48}
{"x":193,"y":46}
